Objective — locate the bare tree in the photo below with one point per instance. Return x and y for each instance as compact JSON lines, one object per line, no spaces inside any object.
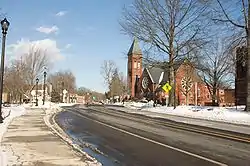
{"x":116,"y":84}
{"x":14,"y":82}
{"x":123,"y":83}
{"x":62,"y":80}
{"x":35,"y":60}
{"x":171,"y":26}
{"x":215,"y":68}
{"x":107,"y":70}
{"x":236,"y":15}
{"x":20,"y":75}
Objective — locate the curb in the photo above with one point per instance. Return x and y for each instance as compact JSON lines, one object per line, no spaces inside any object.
{"x":57,"y":130}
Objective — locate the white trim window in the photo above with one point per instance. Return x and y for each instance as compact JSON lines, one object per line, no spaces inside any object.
{"x":199,"y":92}
{"x":135,"y":64}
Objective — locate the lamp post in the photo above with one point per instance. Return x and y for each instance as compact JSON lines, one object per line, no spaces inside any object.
{"x":44,"y":81}
{"x":62,"y":92}
{"x":37,"y":80}
{"x":5,"y":25}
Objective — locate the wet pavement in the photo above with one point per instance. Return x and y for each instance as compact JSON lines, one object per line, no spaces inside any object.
{"x":112,"y":147}
{"x":90,"y":142}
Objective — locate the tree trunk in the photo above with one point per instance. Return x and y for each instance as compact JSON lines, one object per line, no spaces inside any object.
{"x":186,"y":99}
{"x":174,"y":88}
{"x":248,"y":61}
{"x":214,"y":97}
{"x":171,"y":83}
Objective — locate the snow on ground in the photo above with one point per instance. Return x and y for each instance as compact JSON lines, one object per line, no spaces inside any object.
{"x":9,"y":113}
{"x":138,"y":105}
{"x":49,"y":106}
{"x":222,"y":114}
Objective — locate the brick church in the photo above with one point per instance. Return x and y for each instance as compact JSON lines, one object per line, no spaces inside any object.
{"x":148,"y":82}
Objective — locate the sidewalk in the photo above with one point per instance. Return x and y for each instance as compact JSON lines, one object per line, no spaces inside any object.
{"x":28,"y":141}
{"x":195,"y":121}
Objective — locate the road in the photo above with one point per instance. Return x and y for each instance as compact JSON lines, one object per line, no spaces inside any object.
{"x":119,"y":138}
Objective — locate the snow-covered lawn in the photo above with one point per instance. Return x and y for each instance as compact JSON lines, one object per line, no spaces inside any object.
{"x":9,"y":113}
{"x":223,"y":114}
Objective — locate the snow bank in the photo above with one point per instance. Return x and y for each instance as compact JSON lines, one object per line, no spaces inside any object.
{"x":133,"y":105}
{"x":49,"y":106}
{"x":222,"y":114}
{"x":55,"y":108}
{"x":9,"y":113}
{"x":138,"y":105}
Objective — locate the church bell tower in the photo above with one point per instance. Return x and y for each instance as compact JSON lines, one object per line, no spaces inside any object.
{"x":134,"y":67}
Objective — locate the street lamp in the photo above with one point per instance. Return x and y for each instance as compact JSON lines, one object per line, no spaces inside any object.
{"x":62,"y":91}
{"x":37,"y":80}
{"x":44,"y":81}
{"x":5,"y":25}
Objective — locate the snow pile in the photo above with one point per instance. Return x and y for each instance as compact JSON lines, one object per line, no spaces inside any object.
{"x":138,"y":105}
{"x":8,"y":114}
{"x":117,"y":103}
{"x":49,"y":107}
{"x":222,"y":114}
{"x":40,"y":105}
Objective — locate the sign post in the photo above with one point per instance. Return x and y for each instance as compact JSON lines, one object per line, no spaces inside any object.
{"x":167,"y":87}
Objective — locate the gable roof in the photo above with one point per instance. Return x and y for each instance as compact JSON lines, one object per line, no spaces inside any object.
{"x":135,"y":48}
{"x":157,"y":75}
{"x":160,"y":69}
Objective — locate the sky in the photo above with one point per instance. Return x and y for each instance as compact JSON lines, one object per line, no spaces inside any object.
{"x":79,"y":35}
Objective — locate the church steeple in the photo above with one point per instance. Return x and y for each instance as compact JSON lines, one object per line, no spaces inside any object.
{"x":135,"y":48}
{"x":134,"y":67}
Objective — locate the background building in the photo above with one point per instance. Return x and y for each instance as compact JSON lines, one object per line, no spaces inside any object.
{"x":190,"y":88}
{"x":134,"y":67}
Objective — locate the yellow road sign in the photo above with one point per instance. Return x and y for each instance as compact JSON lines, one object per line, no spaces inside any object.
{"x":167,"y":87}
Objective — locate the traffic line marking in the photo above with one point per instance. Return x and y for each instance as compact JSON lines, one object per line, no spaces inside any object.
{"x":201,"y":131}
{"x":155,"y":142}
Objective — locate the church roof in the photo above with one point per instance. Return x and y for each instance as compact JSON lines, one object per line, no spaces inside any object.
{"x":158,"y":72}
{"x":135,"y":48}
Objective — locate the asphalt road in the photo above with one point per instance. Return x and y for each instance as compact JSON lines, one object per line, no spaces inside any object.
{"x":122,"y":139}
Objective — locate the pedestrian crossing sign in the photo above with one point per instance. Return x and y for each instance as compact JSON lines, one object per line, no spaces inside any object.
{"x":167,"y":87}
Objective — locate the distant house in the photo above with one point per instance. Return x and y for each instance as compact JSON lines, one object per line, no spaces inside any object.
{"x":151,"y":82}
{"x":40,"y":92}
{"x":227,"y":97}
